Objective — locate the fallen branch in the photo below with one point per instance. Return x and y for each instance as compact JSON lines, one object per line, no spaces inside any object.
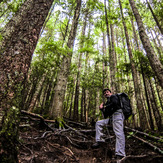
{"x":42,"y":120}
{"x":43,"y":136}
{"x":31,"y":152}
{"x":80,"y":142}
{"x":155,"y":148}
{"x":88,"y":131}
{"x":145,"y":134}
{"x":37,"y":116}
{"x":75,"y":123}
{"x":78,"y":132}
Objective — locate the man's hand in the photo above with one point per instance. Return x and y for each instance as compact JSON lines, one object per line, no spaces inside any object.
{"x":101,"y":106}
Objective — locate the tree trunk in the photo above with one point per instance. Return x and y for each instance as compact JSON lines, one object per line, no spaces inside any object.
{"x":20,"y":37}
{"x":57,"y":106}
{"x":97,"y":101}
{"x":72,"y":97}
{"x":160,"y":94}
{"x":112,"y":62}
{"x":37,"y":91}
{"x":104,"y":62}
{"x":143,"y":76}
{"x":117,"y":63}
{"x":30,"y":92}
{"x":108,"y":32}
{"x":156,"y":46}
{"x":46,"y":104}
{"x":149,"y":107}
{"x":151,"y":101}
{"x":106,"y":80}
{"x":155,"y":107}
{"x":153,"y":59}
{"x":158,"y":40}
{"x":82,"y":107}
{"x":142,"y":115}
{"x":155,"y":18}
{"x":76,"y":100}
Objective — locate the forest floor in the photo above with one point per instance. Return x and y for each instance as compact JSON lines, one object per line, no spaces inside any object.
{"x":39,"y":145}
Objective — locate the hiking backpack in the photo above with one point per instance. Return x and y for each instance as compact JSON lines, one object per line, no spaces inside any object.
{"x":125,"y":104}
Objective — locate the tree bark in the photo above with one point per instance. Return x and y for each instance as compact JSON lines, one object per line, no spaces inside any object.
{"x":20,"y":37}
{"x":153,"y":59}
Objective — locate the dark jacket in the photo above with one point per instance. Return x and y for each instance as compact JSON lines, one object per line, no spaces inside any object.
{"x":111,"y":106}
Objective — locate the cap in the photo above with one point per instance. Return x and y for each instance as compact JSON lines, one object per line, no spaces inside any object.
{"x":105,"y":89}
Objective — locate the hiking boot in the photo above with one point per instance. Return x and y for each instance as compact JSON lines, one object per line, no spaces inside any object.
{"x":97,"y":145}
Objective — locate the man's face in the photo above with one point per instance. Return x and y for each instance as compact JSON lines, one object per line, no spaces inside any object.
{"x":107,"y":93}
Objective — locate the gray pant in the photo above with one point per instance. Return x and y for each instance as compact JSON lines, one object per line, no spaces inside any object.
{"x":118,"y":127}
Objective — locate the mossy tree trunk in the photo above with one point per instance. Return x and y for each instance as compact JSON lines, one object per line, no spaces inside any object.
{"x":20,"y":37}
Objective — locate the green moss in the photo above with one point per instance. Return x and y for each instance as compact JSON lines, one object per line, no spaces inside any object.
{"x":9,"y":136}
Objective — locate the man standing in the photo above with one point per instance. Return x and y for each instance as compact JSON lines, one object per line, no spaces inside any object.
{"x":112,"y":110}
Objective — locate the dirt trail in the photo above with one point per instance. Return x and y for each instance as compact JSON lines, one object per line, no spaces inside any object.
{"x":66,"y":146}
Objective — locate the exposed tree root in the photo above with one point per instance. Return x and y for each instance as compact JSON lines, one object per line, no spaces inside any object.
{"x":144,"y":134}
{"x":155,"y":148}
{"x":73,"y":144}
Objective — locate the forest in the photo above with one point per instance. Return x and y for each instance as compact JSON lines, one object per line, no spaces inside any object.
{"x":57,"y":56}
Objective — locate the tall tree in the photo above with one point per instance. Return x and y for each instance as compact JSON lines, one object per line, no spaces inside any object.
{"x":60,"y":88}
{"x":155,"y":107}
{"x":20,"y":37}
{"x":76,"y":100}
{"x":143,"y":75}
{"x":155,"y":18}
{"x":113,"y":61}
{"x":153,"y":59}
{"x":108,"y":33}
{"x":34,"y":98}
{"x":134,"y":74}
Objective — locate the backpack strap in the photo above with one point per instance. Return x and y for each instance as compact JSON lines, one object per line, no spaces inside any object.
{"x":120,"y":99}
